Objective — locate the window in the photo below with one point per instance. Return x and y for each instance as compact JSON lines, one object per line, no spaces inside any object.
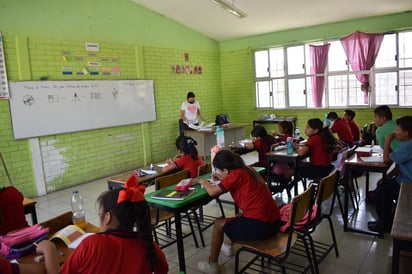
{"x":283,"y":76}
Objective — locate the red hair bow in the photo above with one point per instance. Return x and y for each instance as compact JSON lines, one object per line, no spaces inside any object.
{"x":133,"y":192}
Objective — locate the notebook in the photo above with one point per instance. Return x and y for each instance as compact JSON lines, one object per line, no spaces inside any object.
{"x":171,"y":194}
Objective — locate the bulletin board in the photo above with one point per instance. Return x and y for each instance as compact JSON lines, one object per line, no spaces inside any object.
{"x":40,"y":108}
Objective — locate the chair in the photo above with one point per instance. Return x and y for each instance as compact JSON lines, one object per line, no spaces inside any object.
{"x":327,"y":189}
{"x":343,"y":178}
{"x":278,"y":247}
{"x":162,"y":217}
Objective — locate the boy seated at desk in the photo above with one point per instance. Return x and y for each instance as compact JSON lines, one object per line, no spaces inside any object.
{"x":341,"y":127}
{"x":388,"y":191}
{"x":188,"y":157}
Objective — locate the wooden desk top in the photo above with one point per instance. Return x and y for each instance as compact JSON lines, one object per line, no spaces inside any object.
{"x":63,"y":251}
{"x":225,"y":128}
{"x":402,"y":223}
{"x":282,"y":153}
{"x":357,"y":161}
{"x":122,"y":177}
{"x":28,"y":202}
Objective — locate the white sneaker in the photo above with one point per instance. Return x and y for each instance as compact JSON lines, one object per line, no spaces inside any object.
{"x":227,"y":250}
{"x":206,"y":267}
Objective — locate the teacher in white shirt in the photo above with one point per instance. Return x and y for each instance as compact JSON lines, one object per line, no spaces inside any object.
{"x":189,"y":112}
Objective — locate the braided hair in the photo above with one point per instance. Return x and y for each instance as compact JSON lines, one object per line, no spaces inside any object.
{"x":132,"y":216}
{"x":226,"y":159}
{"x":188,"y":146}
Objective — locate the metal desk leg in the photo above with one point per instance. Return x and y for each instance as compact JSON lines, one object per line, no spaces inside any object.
{"x":395,"y":256}
{"x":179,"y":241}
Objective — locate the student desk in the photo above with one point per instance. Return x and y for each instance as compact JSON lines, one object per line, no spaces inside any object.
{"x":355,"y":163}
{"x":402,"y":225}
{"x":198,"y":198}
{"x":206,"y":139}
{"x":283,"y":156}
{"x":30,"y":208}
{"x":56,"y":224}
{"x":117,"y":181}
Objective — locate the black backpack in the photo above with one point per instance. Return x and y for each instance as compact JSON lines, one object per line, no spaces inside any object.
{"x":222,"y":119}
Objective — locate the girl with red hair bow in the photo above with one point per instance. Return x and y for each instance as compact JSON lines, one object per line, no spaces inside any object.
{"x":125,"y":243}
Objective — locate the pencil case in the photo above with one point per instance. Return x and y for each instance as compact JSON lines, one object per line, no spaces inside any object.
{"x":184,"y":184}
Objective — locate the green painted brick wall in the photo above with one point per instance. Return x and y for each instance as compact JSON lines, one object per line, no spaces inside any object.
{"x":171,"y":90}
{"x":73,"y":158}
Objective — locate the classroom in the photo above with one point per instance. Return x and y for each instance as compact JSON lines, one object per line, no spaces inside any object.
{"x":45,"y":41}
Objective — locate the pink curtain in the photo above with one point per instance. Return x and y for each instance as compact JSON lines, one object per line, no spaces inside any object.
{"x":318,"y":61}
{"x":361,"y":50}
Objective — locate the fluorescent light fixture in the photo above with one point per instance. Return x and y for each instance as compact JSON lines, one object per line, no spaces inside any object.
{"x":230,"y":8}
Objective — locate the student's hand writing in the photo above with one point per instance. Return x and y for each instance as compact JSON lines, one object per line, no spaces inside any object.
{"x":45,"y":246}
{"x":216,"y":177}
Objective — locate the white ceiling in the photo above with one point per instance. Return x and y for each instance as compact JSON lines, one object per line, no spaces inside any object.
{"x":266,"y":16}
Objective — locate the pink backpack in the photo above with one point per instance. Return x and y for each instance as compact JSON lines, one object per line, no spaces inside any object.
{"x":285,"y":212}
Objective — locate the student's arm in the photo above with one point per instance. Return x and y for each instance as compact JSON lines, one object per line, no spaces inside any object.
{"x":303,"y":150}
{"x":249,"y":145}
{"x":212,"y":190}
{"x":387,"y":148}
{"x":48,"y":249}
{"x":170,"y":166}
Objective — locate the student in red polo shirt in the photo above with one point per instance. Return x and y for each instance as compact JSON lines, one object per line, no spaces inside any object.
{"x":349,"y":115}
{"x":260,"y":217}
{"x":320,"y":146}
{"x":262,"y":142}
{"x":341,"y":127}
{"x":188,"y":157}
{"x":125,"y":243}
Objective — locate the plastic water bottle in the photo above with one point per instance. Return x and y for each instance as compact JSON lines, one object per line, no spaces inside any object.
{"x":220,"y":137}
{"x":79,"y":216}
{"x":297,"y":133}
{"x":151,"y":167}
{"x":289,"y":145}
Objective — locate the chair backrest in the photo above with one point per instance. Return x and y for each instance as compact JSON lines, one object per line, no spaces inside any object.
{"x":12,"y":215}
{"x":58,"y":222}
{"x":326,"y":189}
{"x":340,"y":162}
{"x":301,"y":205}
{"x":172,"y":179}
{"x":203,"y":169}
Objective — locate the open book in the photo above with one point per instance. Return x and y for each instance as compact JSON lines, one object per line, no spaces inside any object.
{"x":71,"y":235}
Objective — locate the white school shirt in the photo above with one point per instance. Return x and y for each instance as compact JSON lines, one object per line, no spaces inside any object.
{"x":190,"y":111}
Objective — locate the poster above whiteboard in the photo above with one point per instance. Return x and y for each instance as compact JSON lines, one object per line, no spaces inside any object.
{"x":52,"y":107}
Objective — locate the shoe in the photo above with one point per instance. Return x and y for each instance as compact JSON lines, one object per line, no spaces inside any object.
{"x":372,"y":223}
{"x":227,"y":250}
{"x":378,"y":227}
{"x":206,"y":267}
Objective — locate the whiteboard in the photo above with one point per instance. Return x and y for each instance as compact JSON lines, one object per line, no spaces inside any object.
{"x":52,"y":107}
